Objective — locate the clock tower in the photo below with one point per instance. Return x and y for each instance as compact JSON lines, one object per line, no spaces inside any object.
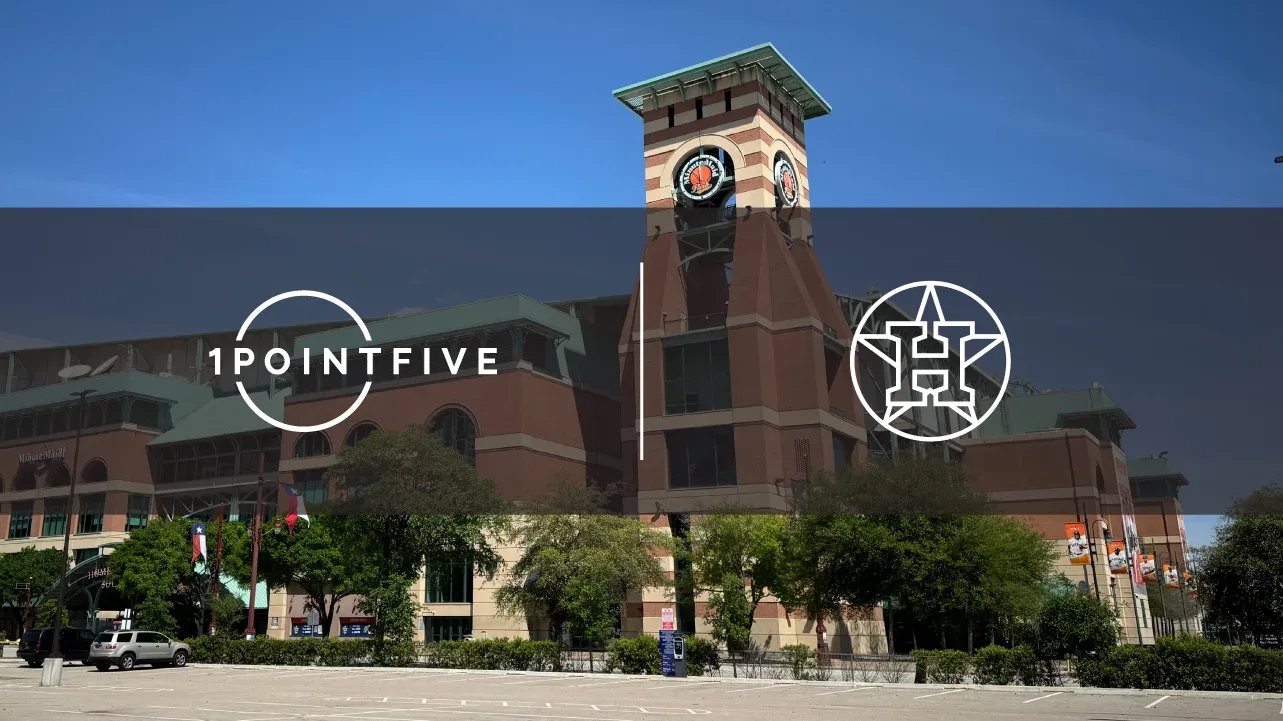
{"x":740,"y":352}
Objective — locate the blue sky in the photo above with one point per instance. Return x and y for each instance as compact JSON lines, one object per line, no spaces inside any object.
{"x":951,"y":103}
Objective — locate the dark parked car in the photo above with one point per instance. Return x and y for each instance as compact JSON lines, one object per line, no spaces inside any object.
{"x":37,"y":644}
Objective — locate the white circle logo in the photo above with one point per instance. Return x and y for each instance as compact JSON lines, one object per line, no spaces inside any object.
{"x":701,"y":177}
{"x":944,"y":383}
{"x":380,"y":364}
{"x":240,"y":335}
{"x":786,"y":182}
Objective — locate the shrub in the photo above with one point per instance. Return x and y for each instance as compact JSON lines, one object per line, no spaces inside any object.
{"x":1186,"y":663}
{"x":993,"y":666}
{"x":638,"y":655}
{"x":504,"y":654}
{"x":1079,"y":626}
{"x":701,"y":656}
{"x":1026,"y":667}
{"x":941,"y":666}
{"x":801,"y":660}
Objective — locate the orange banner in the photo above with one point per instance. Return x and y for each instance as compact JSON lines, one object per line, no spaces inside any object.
{"x":1148,"y":572}
{"x":1118,"y":558}
{"x":1079,"y":550}
{"x":1170,"y":578}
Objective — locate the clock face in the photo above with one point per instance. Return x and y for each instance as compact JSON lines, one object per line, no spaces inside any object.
{"x":786,"y":182}
{"x":701,"y":177}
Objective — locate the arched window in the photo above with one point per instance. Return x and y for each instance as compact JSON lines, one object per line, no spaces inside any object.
{"x":60,"y":476}
{"x":25,"y":480}
{"x":456,"y":430}
{"x":359,"y":433}
{"x":95,"y":471}
{"x":1,"y":483}
{"x":311,"y":445}
{"x":1100,"y":480}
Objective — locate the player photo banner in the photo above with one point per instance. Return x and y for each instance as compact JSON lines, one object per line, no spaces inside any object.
{"x":1079,"y":551}
{"x":1170,"y":578}
{"x":1148,"y":572}
{"x":1118,"y":558}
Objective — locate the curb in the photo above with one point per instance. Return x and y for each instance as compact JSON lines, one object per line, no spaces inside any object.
{"x":1081,"y":690}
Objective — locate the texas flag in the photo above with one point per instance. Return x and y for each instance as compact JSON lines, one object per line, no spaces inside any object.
{"x":296,"y":510}
{"x":198,"y":542}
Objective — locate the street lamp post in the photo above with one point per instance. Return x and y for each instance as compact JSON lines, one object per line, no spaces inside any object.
{"x":56,"y":652}
{"x":250,"y":632}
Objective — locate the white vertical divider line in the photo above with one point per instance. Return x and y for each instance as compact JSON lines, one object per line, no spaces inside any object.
{"x":641,"y":361}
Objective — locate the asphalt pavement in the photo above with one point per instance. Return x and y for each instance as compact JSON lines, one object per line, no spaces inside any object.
{"x":223,"y":693}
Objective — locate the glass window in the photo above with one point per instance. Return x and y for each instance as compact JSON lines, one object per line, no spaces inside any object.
{"x":312,"y":483}
{"x":449,"y":581}
{"x":697,"y":377}
{"x":145,"y":414}
{"x":91,"y":510}
{"x":60,"y":476}
{"x":311,"y":445}
{"x":139,"y":511}
{"x":55,"y":521}
{"x":84,"y":554}
{"x":447,"y":628}
{"x":457,"y":431}
{"x":701,"y":457}
{"x":843,"y":452}
{"x":95,"y":472}
{"x":359,"y":433}
{"x":125,"y":637}
{"x":20,"y":520}
{"x":25,"y":480}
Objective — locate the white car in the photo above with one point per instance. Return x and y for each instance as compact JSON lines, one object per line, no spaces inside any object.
{"x":127,"y":649}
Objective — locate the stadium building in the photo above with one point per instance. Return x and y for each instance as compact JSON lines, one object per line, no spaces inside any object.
{"x":720,"y":379}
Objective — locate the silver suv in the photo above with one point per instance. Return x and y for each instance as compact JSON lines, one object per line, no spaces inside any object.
{"x":127,"y":649}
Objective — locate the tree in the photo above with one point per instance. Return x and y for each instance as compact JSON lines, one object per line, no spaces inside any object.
{"x":38,"y":569}
{"x":748,"y":547}
{"x":1077,"y":625}
{"x":413,"y":499}
{"x":1240,"y":579}
{"x":47,"y":614}
{"x":153,"y":567}
{"x":730,"y":614}
{"x":312,"y":559}
{"x":389,"y":602}
{"x":406,"y":499}
{"x":912,"y":536}
{"x":576,"y":569}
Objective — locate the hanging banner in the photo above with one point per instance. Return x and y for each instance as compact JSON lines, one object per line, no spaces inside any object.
{"x":1148,"y":572}
{"x":1189,"y":584}
{"x":1128,"y":510}
{"x":1170,"y":578}
{"x":1180,"y":526}
{"x":1118,"y":558}
{"x":1079,"y":551}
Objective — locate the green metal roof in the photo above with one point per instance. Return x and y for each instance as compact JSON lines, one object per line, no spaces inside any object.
{"x":183,"y":396}
{"x":1154,"y":467}
{"x":1043,"y":411}
{"x":226,"y":416}
{"x":427,"y":324}
{"x":765,"y":56}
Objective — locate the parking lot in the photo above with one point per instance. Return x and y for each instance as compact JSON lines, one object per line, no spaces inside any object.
{"x":276,"y":694}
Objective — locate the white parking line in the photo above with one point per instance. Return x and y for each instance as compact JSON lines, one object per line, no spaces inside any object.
{"x":1152,"y":705}
{"x":942,"y":693}
{"x":759,"y":688}
{"x":607,"y":683}
{"x":542,"y":680}
{"x":846,"y":690}
{"x":1043,"y":697}
{"x":676,"y":685}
